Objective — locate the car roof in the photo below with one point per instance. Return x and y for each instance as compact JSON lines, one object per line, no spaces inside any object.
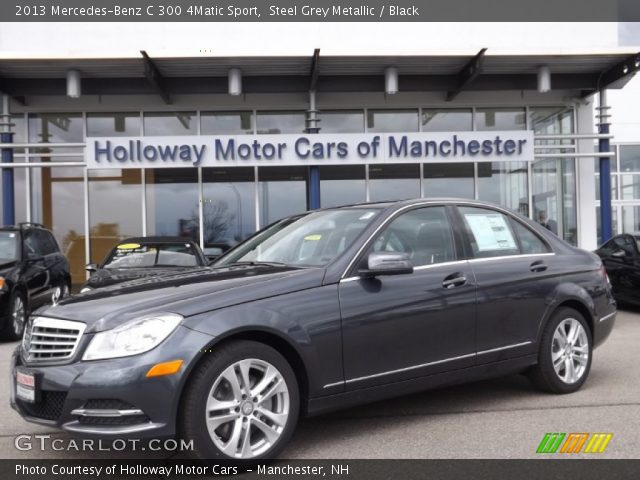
{"x":158,"y":239}
{"x":417,"y":201}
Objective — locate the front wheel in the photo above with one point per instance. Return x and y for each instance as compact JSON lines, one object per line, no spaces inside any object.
{"x":564,"y":358}
{"x":242,"y":402}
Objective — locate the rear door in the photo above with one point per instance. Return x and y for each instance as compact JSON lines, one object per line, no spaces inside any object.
{"x":405,"y":326}
{"x":514,"y":271}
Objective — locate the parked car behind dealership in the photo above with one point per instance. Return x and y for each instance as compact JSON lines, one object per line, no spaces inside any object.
{"x":319,"y":311}
{"x":32,"y":269}
{"x":621,"y":258}
{"x":143,"y":257}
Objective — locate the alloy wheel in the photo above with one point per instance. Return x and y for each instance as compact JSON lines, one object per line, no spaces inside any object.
{"x":570,"y":350}
{"x":247,"y":408}
{"x":18,"y":315}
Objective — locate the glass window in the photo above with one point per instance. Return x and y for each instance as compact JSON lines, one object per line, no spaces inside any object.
{"x":425,"y":234}
{"x":629,"y":186}
{"x":489,"y":232}
{"x":229,"y":207}
{"x":613,"y":164}
{"x":310,"y":240}
{"x":446,"y":119}
{"x":19,"y":129}
{"x":448,"y":180}
{"x":170,"y":123}
{"x":341,"y":121}
{"x":614,"y":186}
{"x":630,"y":158}
{"x":56,"y":128}
{"x":500,"y":119}
{"x":342,"y":185}
{"x":283,"y":192}
{"x":505,"y":184}
{"x":226,"y":123}
{"x":392,"y":120}
{"x":394,"y":182}
{"x":36,"y":243}
{"x":530,"y":243}
{"x":113,"y":124}
{"x":551,"y":120}
{"x":115,"y":211}
{"x":631,"y":218}
{"x":57,"y":201}
{"x":280,"y":122}
{"x":172,"y":202}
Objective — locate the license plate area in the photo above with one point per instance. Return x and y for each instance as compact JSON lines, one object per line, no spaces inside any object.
{"x":27,"y":385}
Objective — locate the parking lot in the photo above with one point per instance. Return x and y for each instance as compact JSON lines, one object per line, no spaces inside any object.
{"x":502,"y":418}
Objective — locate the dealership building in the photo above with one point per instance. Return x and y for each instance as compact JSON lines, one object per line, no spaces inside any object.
{"x":126,"y":138}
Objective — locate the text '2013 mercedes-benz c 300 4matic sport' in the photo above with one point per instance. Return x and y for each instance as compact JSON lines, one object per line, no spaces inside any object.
{"x":316,"y":312}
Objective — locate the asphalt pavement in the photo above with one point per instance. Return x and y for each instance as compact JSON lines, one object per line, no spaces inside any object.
{"x":501,"y":418}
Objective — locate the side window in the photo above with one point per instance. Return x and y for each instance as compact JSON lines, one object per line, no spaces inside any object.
{"x":626,"y":243}
{"x":31,"y":244}
{"x":50,"y":242}
{"x":425,"y":234}
{"x":489,"y":232}
{"x":529,"y":241}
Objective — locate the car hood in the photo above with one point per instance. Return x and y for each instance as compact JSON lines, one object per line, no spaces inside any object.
{"x":105,"y":277}
{"x":187,"y":293}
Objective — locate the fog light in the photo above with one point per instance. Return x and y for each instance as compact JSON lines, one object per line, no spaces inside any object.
{"x":165,"y":368}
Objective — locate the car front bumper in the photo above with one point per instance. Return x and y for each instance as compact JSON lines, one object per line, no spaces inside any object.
{"x":112,"y":397}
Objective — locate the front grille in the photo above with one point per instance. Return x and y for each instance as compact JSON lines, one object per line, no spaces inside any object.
{"x":50,"y":339}
{"x":49,"y":407}
{"x":107,"y":404}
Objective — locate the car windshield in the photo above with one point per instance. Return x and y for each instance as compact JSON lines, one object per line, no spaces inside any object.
{"x":149,"y":255}
{"x":314,"y":239}
{"x":8,"y":246}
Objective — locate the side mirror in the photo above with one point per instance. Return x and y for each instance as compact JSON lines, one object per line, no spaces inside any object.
{"x":387,"y":263}
{"x":619,"y":254}
{"x":92,"y":267}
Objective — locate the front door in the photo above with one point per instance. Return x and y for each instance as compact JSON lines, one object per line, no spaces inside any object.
{"x":405,"y":326}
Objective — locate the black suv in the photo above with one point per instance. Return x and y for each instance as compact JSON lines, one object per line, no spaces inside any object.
{"x":32,"y":272}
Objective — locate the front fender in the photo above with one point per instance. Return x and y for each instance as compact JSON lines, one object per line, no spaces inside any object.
{"x":308,"y":320}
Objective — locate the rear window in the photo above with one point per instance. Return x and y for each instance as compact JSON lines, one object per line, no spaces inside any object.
{"x":149,"y":255}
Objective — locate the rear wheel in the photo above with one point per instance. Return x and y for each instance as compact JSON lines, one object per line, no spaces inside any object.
{"x":564,"y":358}
{"x":13,"y":327}
{"x":241,"y":403}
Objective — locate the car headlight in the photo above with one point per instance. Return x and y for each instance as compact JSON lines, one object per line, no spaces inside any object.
{"x":85,"y":289}
{"x":136,"y":336}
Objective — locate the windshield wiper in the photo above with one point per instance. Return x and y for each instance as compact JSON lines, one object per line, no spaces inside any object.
{"x":257,"y":264}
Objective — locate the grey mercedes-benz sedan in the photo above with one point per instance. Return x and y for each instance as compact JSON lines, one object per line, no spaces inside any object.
{"x":316,"y":312}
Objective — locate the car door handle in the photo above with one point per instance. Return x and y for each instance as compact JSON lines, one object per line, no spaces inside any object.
{"x":538,"y":266}
{"x":454,"y":280}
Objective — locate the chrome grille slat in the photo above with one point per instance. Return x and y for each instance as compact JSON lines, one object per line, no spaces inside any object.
{"x":51,"y":339}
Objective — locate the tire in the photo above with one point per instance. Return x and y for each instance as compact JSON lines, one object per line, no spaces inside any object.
{"x":15,"y":322}
{"x":215,"y":415}
{"x":564,"y":367}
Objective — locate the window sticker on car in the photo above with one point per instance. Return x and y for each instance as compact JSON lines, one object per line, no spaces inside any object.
{"x":313,"y":238}
{"x":491,"y":232}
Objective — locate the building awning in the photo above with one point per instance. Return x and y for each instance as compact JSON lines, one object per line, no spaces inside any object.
{"x":585,"y":73}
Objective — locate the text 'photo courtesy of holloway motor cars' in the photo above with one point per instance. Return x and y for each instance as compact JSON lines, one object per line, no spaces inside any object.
{"x":316,"y":312}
